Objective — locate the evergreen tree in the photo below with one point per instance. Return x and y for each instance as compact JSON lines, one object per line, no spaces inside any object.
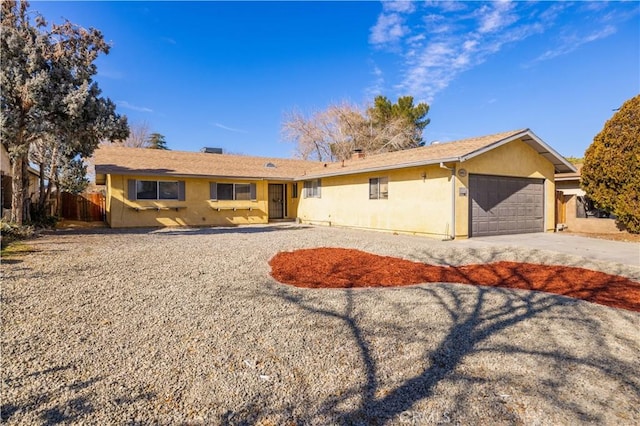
{"x":49,"y":102}
{"x":611,"y":171}
{"x":157,"y":141}
{"x":73,"y":177}
{"x":413,"y":116}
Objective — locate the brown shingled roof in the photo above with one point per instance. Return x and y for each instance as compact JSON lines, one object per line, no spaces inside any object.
{"x":431,"y":154}
{"x":120,"y":160}
{"x":155,"y":162}
{"x":570,"y":176}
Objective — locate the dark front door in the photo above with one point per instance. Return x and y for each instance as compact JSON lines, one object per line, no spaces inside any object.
{"x":276,"y":201}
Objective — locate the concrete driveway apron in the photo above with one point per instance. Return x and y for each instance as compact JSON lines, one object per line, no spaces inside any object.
{"x":627,"y":253}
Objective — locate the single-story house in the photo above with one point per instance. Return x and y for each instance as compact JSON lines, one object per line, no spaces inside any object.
{"x":491,"y":185}
{"x":575,"y":211}
{"x":6,"y":182}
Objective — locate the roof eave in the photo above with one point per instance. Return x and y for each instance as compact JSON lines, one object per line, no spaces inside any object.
{"x":560,"y":164}
{"x":565,"y":178}
{"x":186,"y":175}
{"x":378,"y":169}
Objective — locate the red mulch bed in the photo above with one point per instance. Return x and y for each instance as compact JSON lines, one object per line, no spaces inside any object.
{"x":348,"y":268}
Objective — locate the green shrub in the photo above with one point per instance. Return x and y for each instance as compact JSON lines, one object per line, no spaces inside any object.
{"x":12,"y":232}
{"x":610,"y":173}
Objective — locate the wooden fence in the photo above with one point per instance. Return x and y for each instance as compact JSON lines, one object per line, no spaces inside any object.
{"x":85,"y":207}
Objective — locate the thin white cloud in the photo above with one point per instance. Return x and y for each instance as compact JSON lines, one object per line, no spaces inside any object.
{"x":445,"y":39}
{"x":551,"y":13}
{"x":127,"y":105}
{"x":376,"y":88}
{"x":449,"y":40}
{"x":569,"y":44}
{"x":402,"y":6}
{"x":389,"y":29}
{"x":230,"y":129}
{"x":447,"y":6}
{"x":495,"y":16}
{"x":169,"y":40}
{"x":416,"y":39}
{"x":451,"y":50}
{"x":595,"y":5}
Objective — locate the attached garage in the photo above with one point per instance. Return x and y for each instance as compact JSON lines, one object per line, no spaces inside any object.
{"x":489,"y":185}
{"x":502,"y":205}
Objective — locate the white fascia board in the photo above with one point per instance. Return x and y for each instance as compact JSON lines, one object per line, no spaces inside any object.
{"x":566,"y":179}
{"x":546,"y":149}
{"x":377,"y":169}
{"x":553,"y":152}
{"x":492,"y":146}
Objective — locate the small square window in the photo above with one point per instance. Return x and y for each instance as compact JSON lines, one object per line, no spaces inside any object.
{"x":379,"y":188}
{"x":312,"y":188}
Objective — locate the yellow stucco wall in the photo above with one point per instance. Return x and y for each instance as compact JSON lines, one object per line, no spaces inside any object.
{"x":415,"y":204}
{"x":423,"y":205}
{"x":5,"y":163}
{"x":515,"y":159}
{"x":420,"y":198}
{"x":196,"y":210}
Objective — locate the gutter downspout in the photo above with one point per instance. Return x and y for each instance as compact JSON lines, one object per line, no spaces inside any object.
{"x":452,"y":232}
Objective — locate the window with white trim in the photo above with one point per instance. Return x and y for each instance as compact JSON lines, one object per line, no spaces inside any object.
{"x":379,"y":188}
{"x":312,"y":188}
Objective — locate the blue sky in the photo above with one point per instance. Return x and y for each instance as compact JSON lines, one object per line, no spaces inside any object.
{"x":225,"y":74}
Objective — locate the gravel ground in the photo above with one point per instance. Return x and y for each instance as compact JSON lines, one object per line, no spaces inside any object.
{"x":186,"y":326}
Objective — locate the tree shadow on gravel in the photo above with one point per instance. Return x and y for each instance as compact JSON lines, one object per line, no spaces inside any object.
{"x":77,"y":405}
{"x":74,"y":409}
{"x":473,"y":322}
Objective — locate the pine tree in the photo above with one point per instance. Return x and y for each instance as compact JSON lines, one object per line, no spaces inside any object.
{"x":157,"y":141}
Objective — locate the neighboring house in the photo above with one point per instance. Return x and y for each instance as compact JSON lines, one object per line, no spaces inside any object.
{"x":497,"y":184}
{"x":6,"y":180}
{"x":575,"y":211}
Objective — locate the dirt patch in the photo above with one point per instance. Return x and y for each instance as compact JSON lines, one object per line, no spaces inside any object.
{"x":620,"y":236}
{"x":349,"y":268}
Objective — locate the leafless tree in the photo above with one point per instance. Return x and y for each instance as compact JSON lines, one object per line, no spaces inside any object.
{"x":138,"y":136}
{"x":333,"y":134}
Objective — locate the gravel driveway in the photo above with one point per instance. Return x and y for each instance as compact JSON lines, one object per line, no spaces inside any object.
{"x":178,"y":326}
